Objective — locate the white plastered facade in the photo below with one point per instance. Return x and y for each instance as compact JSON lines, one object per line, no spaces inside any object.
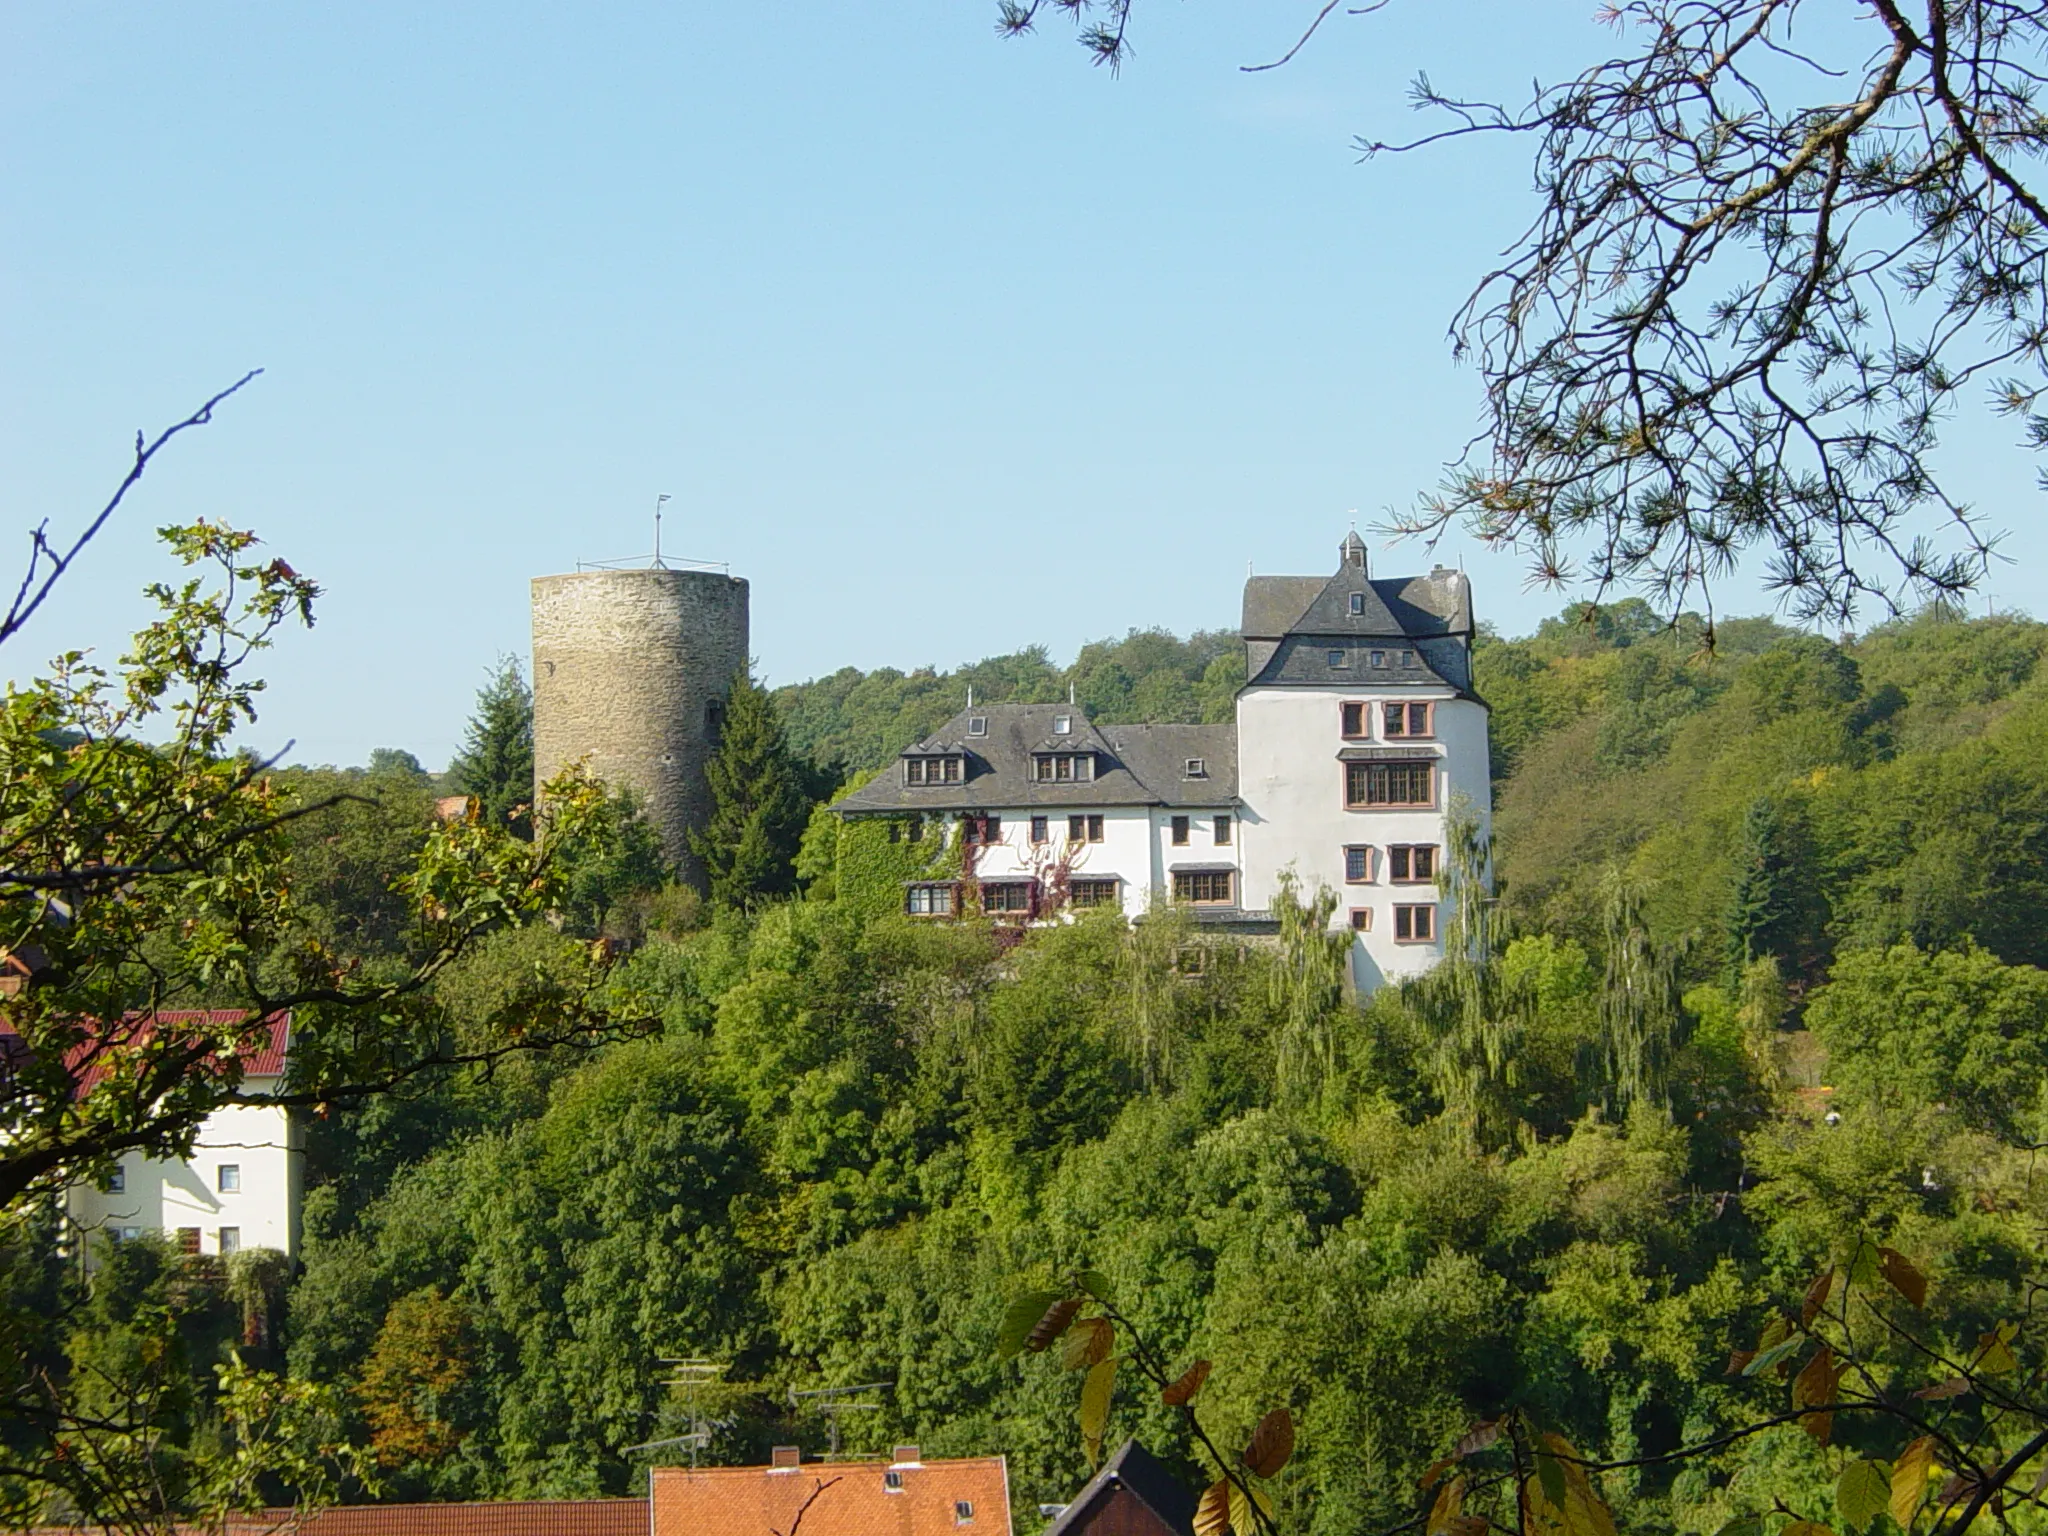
{"x":1291,"y":780}
{"x":263,"y":1146}
{"x":1137,"y":848}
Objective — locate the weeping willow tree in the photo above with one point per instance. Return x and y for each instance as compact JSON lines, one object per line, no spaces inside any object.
{"x":1641,"y":1019}
{"x":1474,"y":1013}
{"x":1306,"y":989}
{"x":1149,"y":1023}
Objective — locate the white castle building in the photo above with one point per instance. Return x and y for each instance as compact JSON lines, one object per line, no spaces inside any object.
{"x":1357,"y":729}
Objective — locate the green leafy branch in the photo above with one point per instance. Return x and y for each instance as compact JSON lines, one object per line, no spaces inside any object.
{"x":1083,"y":1320}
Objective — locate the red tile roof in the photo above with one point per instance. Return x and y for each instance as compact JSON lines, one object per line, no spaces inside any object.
{"x":853,"y":1499}
{"x":266,"y":1058}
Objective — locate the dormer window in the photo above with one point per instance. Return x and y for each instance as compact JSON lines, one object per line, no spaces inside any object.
{"x":1379,"y":658}
{"x":1063,"y":767}
{"x":949,"y":768}
{"x":977,"y":725}
{"x":1357,"y":605}
{"x":1407,"y":658}
{"x":1198,"y":768}
{"x":1062,"y":724}
{"x":1339,"y":659}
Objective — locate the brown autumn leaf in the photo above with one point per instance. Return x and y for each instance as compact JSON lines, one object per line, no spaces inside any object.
{"x":1088,"y":1343}
{"x":1435,"y":1470}
{"x":1817,"y":1296}
{"x":1738,"y":1361}
{"x":1477,"y":1438}
{"x":1815,"y":1383}
{"x":1955,"y":1386}
{"x":1180,"y":1393}
{"x":1052,"y":1325}
{"x":1448,"y":1506}
{"x":1901,"y":1276}
{"x":1272,"y":1443}
{"x":1212,"y":1514}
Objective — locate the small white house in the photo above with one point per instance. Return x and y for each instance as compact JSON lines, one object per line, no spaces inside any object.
{"x":242,"y":1187}
{"x":1357,"y":732}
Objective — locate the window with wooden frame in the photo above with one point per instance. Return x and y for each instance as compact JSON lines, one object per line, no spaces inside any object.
{"x":1221,"y":831}
{"x":1361,"y":919}
{"x":1409,"y":722}
{"x":1368,"y":786}
{"x":1180,"y":832}
{"x":1040,"y":829}
{"x":1094,"y":892}
{"x":982,"y":829}
{"x":1411,"y":863}
{"x":932,"y":770}
{"x":1064,"y":767}
{"x":1358,"y":864}
{"x":1011,"y":896}
{"x":1357,"y":604}
{"x":933,"y":900}
{"x":1352,"y":712}
{"x":1084,"y":829}
{"x":1203,"y":887}
{"x":188,"y":1239}
{"x":1414,"y":925}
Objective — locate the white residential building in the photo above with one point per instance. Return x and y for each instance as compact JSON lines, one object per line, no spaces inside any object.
{"x":1357,"y":730}
{"x":242,"y":1186}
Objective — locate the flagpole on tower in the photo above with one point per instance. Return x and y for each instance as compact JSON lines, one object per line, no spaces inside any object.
{"x":657,"y":532}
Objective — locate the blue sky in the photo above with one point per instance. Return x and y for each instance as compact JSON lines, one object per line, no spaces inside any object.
{"x":949,"y":344}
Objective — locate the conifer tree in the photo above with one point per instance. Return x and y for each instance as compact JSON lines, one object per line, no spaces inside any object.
{"x":759,"y":804}
{"x":1759,"y":915}
{"x":496,"y":761}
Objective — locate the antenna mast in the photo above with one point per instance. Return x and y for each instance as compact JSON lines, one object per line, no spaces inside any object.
{"x":657,"y":532}
{"x":832,"y":1408}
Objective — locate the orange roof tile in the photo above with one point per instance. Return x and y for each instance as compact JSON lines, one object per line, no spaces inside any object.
{"x":854,"y":1498}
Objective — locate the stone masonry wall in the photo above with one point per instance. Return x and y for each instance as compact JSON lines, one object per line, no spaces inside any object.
{"x":626,"y":665}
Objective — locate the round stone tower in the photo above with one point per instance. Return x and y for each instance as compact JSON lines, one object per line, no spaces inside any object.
{"x":630,"y":674}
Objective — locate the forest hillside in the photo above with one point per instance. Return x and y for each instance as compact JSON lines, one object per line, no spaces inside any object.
{"x":1766,"y":982}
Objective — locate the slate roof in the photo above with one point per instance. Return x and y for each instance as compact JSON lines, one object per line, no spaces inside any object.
{"x":1136,"y":765}
{"x":1306,"y":659}
{"x":751,"y":1501}
{"x":1419,"y":607}
{"x":1303,"y":619}
{"x":1144,"y":1476}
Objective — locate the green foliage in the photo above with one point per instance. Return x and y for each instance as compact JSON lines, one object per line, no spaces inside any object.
{"x":759,"y":804}
{"x":496,"y":761}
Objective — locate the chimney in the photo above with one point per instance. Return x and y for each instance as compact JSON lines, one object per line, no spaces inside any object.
{"x":784,"y":1456}
{"x":908,"y":1455}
